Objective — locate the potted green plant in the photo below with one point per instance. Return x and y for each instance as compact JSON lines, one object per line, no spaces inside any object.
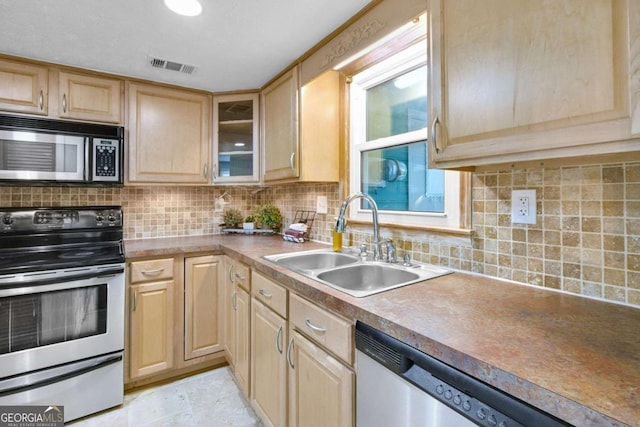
{"x":268,"y":217}
{"x":248,"y":223}
{"x":232,"y":218}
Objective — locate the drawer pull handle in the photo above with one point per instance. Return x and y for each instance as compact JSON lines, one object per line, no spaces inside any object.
{"x":278,"y":337}
{"x":153,"y":272}
{"x":64,"y":103}
{"x":41,"y":100}
{"x":238,"y":276}
{"x":135,"y":300}
{"x":265,"y":294}
{"x":234,"y":304}
{"x":313,"y":327}
{"x":289,"y":348}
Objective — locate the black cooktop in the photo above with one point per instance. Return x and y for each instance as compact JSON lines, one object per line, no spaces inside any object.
{"x":38,"y":239}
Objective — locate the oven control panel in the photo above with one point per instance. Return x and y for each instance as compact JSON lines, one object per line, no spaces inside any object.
{"x":109,"y":218}
{"x":56,"y":218}
{"x":45,"y":219}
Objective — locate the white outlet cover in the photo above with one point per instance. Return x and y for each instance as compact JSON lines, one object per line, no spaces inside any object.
{"x":321,"y":205}
{"x":517,"y":197}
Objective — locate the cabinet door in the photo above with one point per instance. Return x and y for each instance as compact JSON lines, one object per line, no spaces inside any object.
{"x":268,"y":364}
{"x":512,"y":81}
{"x":235,"y":139}
{"x":23,"y":87}
{"x":320,"y":128}
{"x":92,"y":98}
{"x":152,"y":328}
{"x":203,"y":276}
{"x":279,"y":112}
{"x":169,"y":135}
{"x":321,"y":389}
{"x":243,"y":337}
{"x":229,"y":310}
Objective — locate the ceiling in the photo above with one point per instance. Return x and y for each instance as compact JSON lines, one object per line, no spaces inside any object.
{"x":234,"y":44}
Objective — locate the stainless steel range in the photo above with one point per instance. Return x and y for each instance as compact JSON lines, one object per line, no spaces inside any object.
{"x":62,"y":308}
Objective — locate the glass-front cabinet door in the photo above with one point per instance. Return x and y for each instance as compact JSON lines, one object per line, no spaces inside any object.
{"x":235,"y":134}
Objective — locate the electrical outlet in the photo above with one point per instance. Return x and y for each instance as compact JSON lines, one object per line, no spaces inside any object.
{"x":523,"y":206}
{"x":321,"y":205}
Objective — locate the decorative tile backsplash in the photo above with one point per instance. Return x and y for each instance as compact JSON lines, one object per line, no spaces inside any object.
{"x":586,"y":240}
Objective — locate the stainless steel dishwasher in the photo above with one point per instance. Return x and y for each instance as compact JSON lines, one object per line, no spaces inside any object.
{"x":397,"y":385}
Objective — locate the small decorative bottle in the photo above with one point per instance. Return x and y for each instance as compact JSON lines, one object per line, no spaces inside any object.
{"x":337,"y":239}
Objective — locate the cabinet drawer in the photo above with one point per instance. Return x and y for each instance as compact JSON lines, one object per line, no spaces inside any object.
{"x":327,"y":329}
{"x":242,"y":276}
{"x":152,"y":269}
{"x":270,"y":293}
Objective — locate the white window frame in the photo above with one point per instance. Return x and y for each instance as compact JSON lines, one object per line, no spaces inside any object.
{"x":404,"y":61}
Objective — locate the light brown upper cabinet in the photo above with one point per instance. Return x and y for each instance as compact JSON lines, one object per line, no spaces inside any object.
{"x":92,"y":98}
{"x":279,"y":127}
{"x":37,"y":89}
{"x":301,"y":128}
{"x":235,"y":139}
{"x":169,"y":135}
{"x":512,"y":82}
{"x":24,"y":88}
{"x":320,"y":128}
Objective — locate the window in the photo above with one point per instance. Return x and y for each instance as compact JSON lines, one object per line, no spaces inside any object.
{"x":388,"y":145}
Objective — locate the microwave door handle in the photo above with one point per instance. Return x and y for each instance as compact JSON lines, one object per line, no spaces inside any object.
{"x":87,"y":160}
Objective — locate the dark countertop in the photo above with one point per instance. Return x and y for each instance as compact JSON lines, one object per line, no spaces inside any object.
{"x":574,"y":357}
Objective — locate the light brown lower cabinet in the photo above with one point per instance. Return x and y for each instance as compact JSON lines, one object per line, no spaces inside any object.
{"x":243,"y":329}
{"x":268,"y":365}
{"x":321,"y":389}
{"x":174,"y":325}
{"x":151,"y":328}
{"x":237,"y":319}
{"x":202,"y":294}
{"x":305,"y":380}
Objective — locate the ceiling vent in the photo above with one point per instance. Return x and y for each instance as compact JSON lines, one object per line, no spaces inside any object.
{"x":171,"y":65}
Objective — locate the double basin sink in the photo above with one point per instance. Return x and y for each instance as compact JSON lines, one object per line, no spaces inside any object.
{"x":348,"y":272}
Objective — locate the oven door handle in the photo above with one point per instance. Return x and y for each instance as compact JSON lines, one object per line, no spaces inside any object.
{"x":43,"y":378}
{"x":34,"y":280}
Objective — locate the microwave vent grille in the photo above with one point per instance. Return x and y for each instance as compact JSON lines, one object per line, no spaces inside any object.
{"x":29,"y":124}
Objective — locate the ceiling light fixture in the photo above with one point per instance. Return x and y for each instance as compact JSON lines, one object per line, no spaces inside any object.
{"x":184,"y":7}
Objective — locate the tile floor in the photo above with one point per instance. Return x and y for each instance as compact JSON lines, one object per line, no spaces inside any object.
{"x":210,"y":399}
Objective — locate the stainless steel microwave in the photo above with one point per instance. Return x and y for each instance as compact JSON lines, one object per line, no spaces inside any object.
{"x":53,"y":151}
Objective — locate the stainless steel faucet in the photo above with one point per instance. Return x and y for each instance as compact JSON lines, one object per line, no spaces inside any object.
{"x":342,"y":221}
